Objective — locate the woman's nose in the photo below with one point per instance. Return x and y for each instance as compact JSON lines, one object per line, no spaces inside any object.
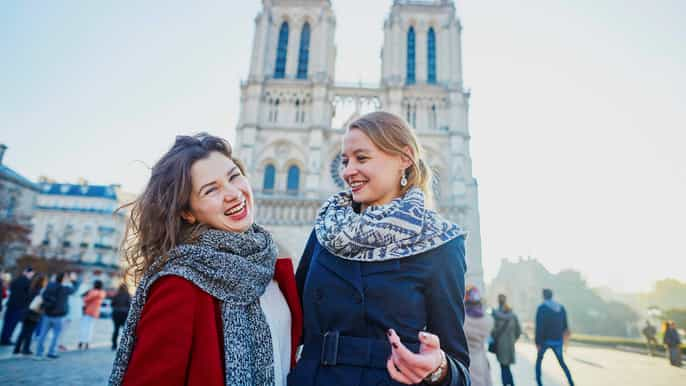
{"x":231,"y":192}
{"x":348,"y":171}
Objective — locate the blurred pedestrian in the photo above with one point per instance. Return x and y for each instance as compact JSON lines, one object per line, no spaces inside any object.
{"x":3,"y":290}
{"x":477,"y":327}
{"x":551,"y":332}
{"x":33,"y":315}
{"x":92,"y":301}
{"x":120,"y":309}
{"x":649,"y":331}
{"x":56,"y":307}
{"x":672,"y":342}
{"x":17,"y":305}
{"x":506,"y":332}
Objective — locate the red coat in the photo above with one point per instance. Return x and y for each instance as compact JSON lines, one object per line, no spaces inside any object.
{"x":180,"y":336}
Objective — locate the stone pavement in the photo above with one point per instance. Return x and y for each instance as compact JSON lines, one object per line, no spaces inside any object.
{"x":74,"y":368}
{"x":591,"y":366}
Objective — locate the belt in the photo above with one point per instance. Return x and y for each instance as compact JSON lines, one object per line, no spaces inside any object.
{"x":332,"y":348}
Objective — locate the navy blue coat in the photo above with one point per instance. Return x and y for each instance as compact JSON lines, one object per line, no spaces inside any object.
{"x":360,"y":301}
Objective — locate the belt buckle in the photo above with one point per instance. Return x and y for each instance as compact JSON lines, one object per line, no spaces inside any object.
{"x":330,"y":337}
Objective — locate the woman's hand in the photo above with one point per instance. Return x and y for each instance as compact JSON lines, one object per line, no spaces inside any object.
{"x":409,"y":368}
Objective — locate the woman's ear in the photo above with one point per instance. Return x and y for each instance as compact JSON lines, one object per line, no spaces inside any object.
{"x":406,"y":161}
{"x":188,"y":216}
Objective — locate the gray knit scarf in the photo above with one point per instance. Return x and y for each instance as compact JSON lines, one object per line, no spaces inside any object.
{"x":403,"y":227}
{"x":234,"y":268}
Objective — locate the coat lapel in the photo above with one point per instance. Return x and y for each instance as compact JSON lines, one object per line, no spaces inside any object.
{"x":345,"y":269}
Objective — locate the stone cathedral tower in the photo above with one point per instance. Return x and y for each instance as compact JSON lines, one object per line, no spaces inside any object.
{"x":294,"y":112}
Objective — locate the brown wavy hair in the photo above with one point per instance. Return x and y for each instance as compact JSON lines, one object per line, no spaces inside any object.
{"x":392,"y":135}
{"x":155,"y":225}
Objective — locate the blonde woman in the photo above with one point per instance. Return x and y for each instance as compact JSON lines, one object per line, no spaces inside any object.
{"x":382,"y":275}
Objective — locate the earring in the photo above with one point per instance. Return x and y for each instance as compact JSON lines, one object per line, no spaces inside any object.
{"x":403,"y":180}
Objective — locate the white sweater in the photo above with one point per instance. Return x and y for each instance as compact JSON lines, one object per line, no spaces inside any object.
{"x":278,"y":316}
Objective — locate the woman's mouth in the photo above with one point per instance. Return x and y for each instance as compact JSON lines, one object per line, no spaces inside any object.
{"x":357,"y":185}
{"x":238,"y":212}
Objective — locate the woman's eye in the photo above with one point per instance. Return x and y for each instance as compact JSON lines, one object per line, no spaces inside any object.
{"x":344,"y":162}
{"x":234,"y":176}
{"x":210,"y":190}
{"x":361,"y":158}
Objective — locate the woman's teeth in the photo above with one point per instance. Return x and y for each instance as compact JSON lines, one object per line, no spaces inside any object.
{"x":356,"y":184}
{"x":235,"y":209}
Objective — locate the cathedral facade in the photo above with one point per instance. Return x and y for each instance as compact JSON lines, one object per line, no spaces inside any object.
{"x":294,"y":112}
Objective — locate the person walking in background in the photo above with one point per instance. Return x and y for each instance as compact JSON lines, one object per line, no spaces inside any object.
{"x":56,"y":307}
{"x":506,"y":332}
{"x":120,"y":309}
{"x":17,"y":305}
{"x":551,"y":332}
{"x":3,"y":290}
{"x":477,"y":327}
{"x":649,"y":331}
{"x":672,"y":342}
{"x":33,"y":315}
{"x":91,"y":311}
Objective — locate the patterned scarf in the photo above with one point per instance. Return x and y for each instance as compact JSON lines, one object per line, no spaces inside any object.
{"x":404,"y":227}
{"x":236,"y":269}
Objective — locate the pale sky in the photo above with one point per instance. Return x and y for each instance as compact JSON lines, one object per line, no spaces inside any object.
{"x":577,"y":116}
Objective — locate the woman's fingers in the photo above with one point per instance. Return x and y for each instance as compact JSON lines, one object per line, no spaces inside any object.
{"x":429,"y":341}
{"x":412,"y":372}
{"x":396,"y":374}
{"x":414,"y":366}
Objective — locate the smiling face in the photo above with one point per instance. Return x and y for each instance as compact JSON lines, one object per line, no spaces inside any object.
{"x":221,"y":197}
{"x":373,"y":175}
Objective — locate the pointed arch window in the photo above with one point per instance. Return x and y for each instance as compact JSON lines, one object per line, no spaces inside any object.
{"x":281,"y":52}
{"x":410,"y":76}
{"x":304,"y":53}
{"x":269,"y":178}
{"x":293,"y":180}
{"x":431,"y":56}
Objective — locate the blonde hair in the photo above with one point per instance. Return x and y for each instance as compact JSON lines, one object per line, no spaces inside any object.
{"x":392,"y":135}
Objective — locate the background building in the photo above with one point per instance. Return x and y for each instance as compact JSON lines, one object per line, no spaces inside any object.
{"x":17,"y":199}
{"x":294,"y":112}
{"x":77,"y":223}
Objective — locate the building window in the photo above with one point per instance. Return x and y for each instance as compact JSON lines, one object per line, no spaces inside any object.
{"x":304,"y":54}
{"x":269,"y":177}
{"x":281,"y":52}
{"x":410,"y":78}
{"x":433,"y":118}
{"x":293,"y":182}
{"x":431,"y":59}
{"x":411,"y":114}
{"x":299,"y":111}
{"x":273,"y":110}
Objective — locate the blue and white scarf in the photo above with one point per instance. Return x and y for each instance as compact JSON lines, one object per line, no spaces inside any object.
{"x":404,"y":227}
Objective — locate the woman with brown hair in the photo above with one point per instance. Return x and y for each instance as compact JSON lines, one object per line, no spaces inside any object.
{"x":382,"y":275}
{"x":213,"y":305}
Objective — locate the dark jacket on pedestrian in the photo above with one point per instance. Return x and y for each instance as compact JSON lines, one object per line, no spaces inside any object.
{"x":349,"y":305}
{"x":120,"y":302}
{"x":56,"y":298}
{"x":120,"y":306}
{"x":551,"y":322}
{"x":20,"y":293}
{"x":506,"y":331}
{"x":671,"y":338}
